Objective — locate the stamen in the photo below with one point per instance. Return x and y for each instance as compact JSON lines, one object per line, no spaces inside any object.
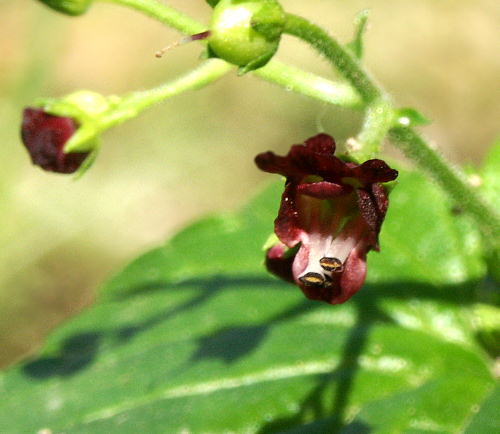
{"x":328,"y":282}
{"x":312,"y":279}
{"x":331,"y":264}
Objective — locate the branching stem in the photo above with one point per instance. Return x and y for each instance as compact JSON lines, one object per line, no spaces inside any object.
{"x":360,"y":85}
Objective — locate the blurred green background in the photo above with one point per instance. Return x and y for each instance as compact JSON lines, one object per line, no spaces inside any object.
{"x":60,"y":238}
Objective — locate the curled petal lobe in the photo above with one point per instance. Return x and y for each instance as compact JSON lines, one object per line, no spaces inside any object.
{"x":323,"y":189}
{"x":321,"y":144}
{"x":272,"y":163}
{"x":375,"y":171}
{"x":44,"y":136}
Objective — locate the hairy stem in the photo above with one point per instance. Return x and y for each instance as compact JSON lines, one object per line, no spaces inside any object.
{"x":164,"y":14}
{"x":131,"y":105}
{"x":346,"y":64}
{"x":379,"y":118}
{"x":450,"y":178}
{"x":306,"y":83}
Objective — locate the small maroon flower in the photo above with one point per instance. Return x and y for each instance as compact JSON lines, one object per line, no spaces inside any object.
{"x":44,"y":136}
{"x":329,"y":219}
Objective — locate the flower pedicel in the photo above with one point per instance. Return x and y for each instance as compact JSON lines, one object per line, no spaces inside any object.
{"x":330,"y":216}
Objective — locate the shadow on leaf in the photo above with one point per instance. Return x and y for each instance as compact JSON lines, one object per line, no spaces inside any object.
{"x":338,"y":382}
{"x":232,"y":343}
{"x":76,"y":353}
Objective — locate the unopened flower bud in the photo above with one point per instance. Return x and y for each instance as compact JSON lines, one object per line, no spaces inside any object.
{"x":60,"y":134}
{"x":69,"y":7}
{"x":246,"y":33}
{"x":44,"y":136}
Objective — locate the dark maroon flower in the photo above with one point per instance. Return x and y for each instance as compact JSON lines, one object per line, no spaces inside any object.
{"x":329,"y":219}
{"x":44,"y":136}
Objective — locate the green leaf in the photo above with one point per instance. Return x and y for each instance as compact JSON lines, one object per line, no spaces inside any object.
{"x":194,"y":336}
{"x":356,"y":45}
{"x":485,"y":419}
{"x":490,"y":174}
{"x":489,"y":181}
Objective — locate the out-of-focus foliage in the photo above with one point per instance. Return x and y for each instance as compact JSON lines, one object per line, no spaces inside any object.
{"x":195,"y":336}
{"x":59,"y":238}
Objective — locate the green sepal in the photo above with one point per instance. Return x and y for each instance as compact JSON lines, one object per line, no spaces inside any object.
{"x":356,"y":45}
{"x":88,"y":163}
{"x":87,"y":109}
{"x":246,"y":33}
{"x":68,"y":7}
{"x":391,"y":185}
{"x":271,"y":241}
{"x":255,"y":64}
{"x":410,"y":117}
{"x":212,"y":3}
{"x":83,"y":140}
{"x":210,"y":54}
{"x":269,"y":21}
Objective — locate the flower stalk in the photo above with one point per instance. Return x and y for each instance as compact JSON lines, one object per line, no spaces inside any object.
{"x":339,"y":57}
{"x":62,"y":135}
{"x":164,"y":14}
{"x":131,"y":105}
{"x":379,"y":118}
{"x":449,"y":177}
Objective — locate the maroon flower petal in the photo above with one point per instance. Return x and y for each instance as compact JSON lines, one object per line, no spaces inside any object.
{"x":368,"y":209}
{"x":375,"y":171}
{"x":313,"y":157}
{"x":343,"y":285}
{"x":286,"y":225}
{"x":321,"y":144}
{"x":44,"y":136}
{"x":272,"y":163}
{"x":323,"y":189}
{"x":278,"y":263}
{"x":308,"y":162}
{"x":381,"y":199}
{"x":353,"y":276}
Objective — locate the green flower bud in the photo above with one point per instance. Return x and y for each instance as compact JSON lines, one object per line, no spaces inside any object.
{"x":246,"y":32}
{"x":69,"y":7}
{"x":87,"y":109}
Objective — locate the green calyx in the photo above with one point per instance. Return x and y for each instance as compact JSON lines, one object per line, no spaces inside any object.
{"x":69,"y":7}
{"x":88,"y":109}
{"x":246,"y":32}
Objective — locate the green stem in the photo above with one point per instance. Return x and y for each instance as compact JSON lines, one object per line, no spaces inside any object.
{"x":312,"y":85}
{"x":131,"y":105}
{"x":379,"y":118}
{"x":414,"y":146}
{"x":347,"y":64}
{"x":450,"y":178}
{"x":163,"y":13}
